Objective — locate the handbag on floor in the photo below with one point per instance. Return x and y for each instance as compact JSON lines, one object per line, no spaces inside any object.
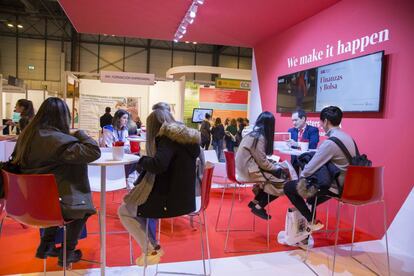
{"x":296,"y":228}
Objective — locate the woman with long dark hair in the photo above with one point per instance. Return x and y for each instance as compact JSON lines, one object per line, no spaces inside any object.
{"x":166,"y":187}
{"x":252,"y":164}
{"x":47,"y":147}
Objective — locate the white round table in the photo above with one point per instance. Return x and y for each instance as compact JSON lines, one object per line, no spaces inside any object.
{"x":104,"y":161}
{"x":137,"y":139}
{"x":294,"y":152}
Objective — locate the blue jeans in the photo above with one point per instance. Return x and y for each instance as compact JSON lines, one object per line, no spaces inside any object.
{"x":218,"y":147}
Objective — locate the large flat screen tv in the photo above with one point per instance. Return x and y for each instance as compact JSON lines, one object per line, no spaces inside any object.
{"x":199,"y":114}
{"x":354,"y":85}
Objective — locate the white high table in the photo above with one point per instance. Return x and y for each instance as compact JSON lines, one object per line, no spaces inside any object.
{"x":293,"y":151}
{"x":104,"y":161}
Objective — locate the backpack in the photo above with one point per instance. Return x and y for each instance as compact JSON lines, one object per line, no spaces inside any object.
{"x":358,"y":160}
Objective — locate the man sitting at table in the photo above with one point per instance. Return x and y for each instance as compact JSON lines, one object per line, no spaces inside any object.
{"x":302,"y":132}
{"x":328,"y":152}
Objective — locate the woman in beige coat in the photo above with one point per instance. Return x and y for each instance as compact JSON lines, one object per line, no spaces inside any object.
{"x":252,"y":165}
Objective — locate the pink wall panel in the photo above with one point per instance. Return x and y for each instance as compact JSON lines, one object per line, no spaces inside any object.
{"x":387,"y":138}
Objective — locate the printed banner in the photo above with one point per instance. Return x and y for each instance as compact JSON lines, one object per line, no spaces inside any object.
{"x":232,"y":84}
{"x":127,"y":78}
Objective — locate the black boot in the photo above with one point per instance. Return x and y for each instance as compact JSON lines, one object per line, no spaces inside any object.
{"x":72,"y":256}
{"x":46,"y":249}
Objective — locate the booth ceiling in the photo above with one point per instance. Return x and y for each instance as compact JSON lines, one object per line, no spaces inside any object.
{"x":222,"y":22}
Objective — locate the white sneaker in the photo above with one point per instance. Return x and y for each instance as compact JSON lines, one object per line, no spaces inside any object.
{"x":152,"y":258}
{"x":316,"y":226}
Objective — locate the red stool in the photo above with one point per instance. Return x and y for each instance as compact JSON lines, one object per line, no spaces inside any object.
{"x":33,"y":200}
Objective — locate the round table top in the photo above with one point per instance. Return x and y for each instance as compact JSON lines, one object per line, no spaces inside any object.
{"x":106,"y":159}
{"x":137,"y":139}
{"x":293,"y":151}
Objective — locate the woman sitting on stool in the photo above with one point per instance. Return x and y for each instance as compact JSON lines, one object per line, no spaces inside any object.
{"x":252,"y":165}
{"x":47,"y":147}
{"x":166,"y":186}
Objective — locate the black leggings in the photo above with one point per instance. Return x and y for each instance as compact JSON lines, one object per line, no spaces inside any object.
{"x":262,"y":199}
{"x":297,"y":201}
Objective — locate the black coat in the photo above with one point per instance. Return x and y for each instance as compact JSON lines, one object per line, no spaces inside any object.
{"x":324,"y":176}
{"x":65,"y":156}
{"x":174,"y":164}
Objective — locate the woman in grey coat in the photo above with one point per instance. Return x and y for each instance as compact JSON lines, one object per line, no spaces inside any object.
{"x":47,"y":147}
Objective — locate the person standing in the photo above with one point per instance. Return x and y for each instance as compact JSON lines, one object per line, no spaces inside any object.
{"x":205,"y":132}
{"x":47,"y":147}
{"x":217,"y":132}
{"x":231,"y":132}
{"x":106,"y":119}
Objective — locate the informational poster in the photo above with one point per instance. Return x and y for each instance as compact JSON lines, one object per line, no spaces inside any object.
{"x":230,"y":104}
{"x":92,"y":107}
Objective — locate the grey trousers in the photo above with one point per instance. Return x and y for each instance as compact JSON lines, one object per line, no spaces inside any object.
{"x":136,"y":227}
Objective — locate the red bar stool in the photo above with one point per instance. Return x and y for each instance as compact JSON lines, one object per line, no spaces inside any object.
{"x":362,"y":186}
{"x":33,"y":200}
{"x":231,"y":175}
{"x":201,"y":214}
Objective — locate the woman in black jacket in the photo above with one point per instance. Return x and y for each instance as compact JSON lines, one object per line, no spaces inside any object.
{"x":47,"y":147}
{"x":217,"y":132}
{"x":166,"y":186}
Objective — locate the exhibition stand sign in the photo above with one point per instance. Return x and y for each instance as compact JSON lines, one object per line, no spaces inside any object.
{"x":127,"y":78}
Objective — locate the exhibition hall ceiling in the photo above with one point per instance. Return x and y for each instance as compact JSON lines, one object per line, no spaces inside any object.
{"x":222,"y":22}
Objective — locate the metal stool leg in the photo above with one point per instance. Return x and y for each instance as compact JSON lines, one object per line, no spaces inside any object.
{"x":131,"y":250}
{"x":208,"y":243}
{"x":146,"y":246}
{"x":386,"y":238}
{"x":229,"y":220}
{"x":202,"y":244}
{"x":64,"y":250}
{"x":338,"y":219}
{"x":219,"y":211}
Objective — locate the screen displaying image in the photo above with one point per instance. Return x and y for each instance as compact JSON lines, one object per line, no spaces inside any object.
{"x":297,"y":90}
{"x":352,"y":85}
{"x":199,"y":114}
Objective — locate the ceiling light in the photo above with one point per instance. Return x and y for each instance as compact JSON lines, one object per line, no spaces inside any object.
{"x":189,"y":19}
{"x":183,"y":25}
{"x":112,"y":35}
{"x":20,"y":26}
{"x":183,"y":31}
{"x":187,"y":42}
{"x":200,"y":2}
{"x":193,"y":11}
{"x":10,"y":25}
{"x":194,"y":42}
{"x":175,"y":40}
{"x":180,"y":36}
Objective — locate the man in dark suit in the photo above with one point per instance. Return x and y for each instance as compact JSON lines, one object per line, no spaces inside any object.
{"x":106,"y":119}
{"x":302,"y":132}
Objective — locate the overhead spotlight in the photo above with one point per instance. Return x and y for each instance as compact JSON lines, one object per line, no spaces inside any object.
{"x":189,"y":19}
{"x":180,"y":36}
{"x":187,"y":42}
{"x":10,"y":25}
{"x":183,"y":25}
{"x":193,"y":11}
{"x":105,"y":34}
{"x":112,"y":35}
{"x":20,"y":26}
{"x":183,"y":31}
{"x":175,"y":40}
{"x":194,"y":42}
{"x":200,"y":2}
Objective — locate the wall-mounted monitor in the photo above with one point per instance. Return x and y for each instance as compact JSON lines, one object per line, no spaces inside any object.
{"x":354,"y":85}
{"x":199,"y":114}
